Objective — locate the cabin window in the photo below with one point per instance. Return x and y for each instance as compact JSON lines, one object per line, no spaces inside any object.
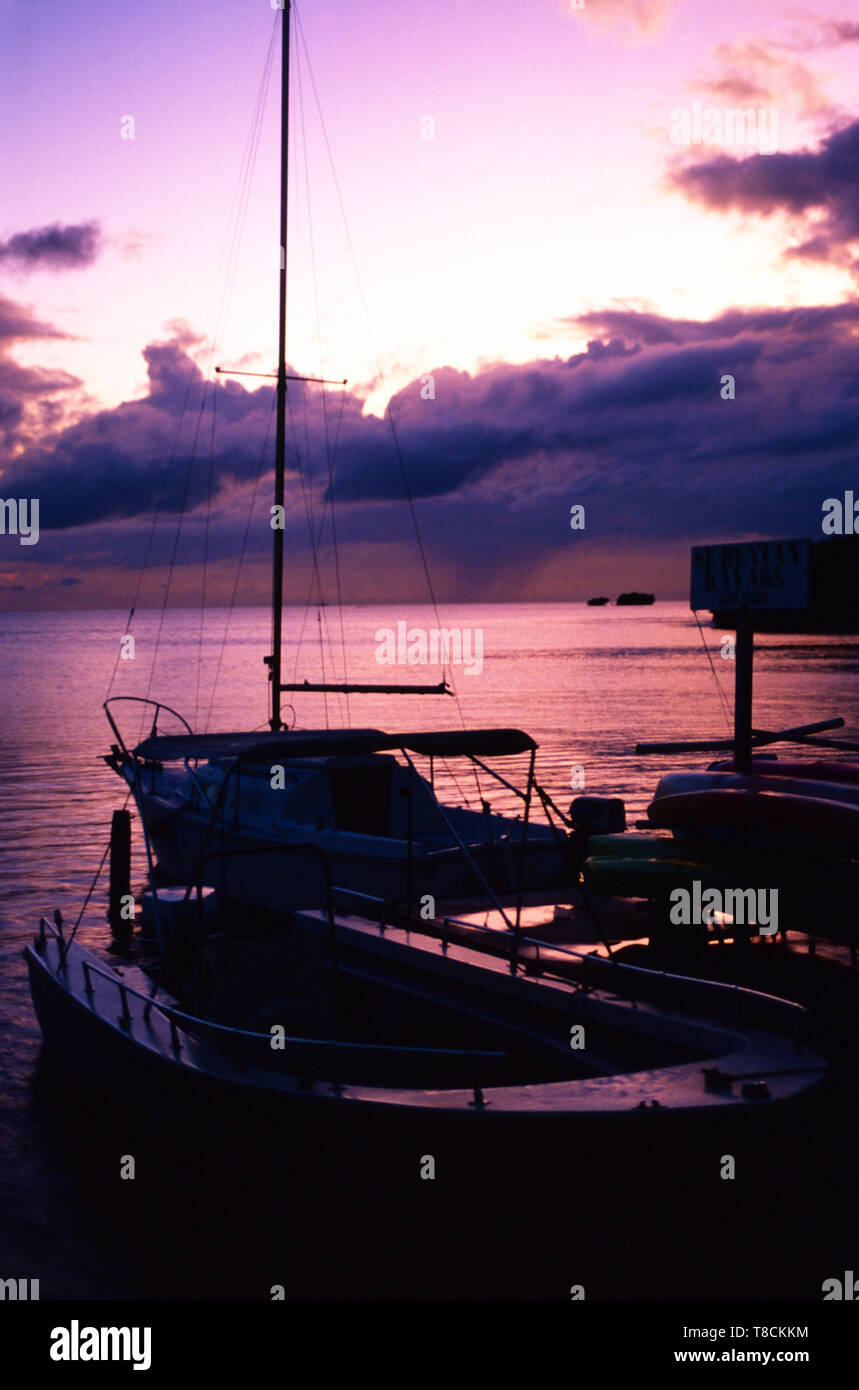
{"x":362,"y":798}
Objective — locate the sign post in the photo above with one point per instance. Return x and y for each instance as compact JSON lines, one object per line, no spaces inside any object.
{"x":743,"y":680}
{"x":744,"y":576}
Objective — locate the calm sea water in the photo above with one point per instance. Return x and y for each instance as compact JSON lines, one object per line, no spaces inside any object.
{"x":586,"y":683}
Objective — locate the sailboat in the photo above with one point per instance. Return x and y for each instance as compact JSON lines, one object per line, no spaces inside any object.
{"x":231,"y":809}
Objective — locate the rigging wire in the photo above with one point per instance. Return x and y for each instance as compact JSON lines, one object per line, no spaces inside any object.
{"x":323,"y":393}
{"x":380,"y":372}
{"x":229,"y":244}
{"x":725,"y":706}
{"x":176,"y":538}
{"x":251,"y":509}
{"x":206,"y":555}
{"x":315,"y":546}
{"x":304,"y":461}
{"x":322,"y":660}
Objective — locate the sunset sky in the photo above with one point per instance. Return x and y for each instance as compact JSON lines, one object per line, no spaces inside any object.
{"x":521,"y":222}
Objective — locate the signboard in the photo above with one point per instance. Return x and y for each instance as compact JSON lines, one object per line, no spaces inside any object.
{"x":751,"y":574}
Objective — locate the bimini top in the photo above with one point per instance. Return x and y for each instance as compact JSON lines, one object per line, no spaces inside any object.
{"x":323,"y":743}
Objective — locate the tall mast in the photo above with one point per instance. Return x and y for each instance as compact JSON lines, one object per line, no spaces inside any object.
{"x":280,"y":446}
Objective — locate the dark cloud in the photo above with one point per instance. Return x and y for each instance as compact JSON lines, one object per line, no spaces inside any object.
{"x":643,"y":328}
{"x":634,"y":428}
{"x":28,"y":395}
{"x":54,"y":248}
{"x":17,"y":323}
{"x":154,"y":454}
{"x":820,"y":188}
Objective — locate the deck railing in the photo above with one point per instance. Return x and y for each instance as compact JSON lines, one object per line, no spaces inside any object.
{"x":734,"y":995}
{"x":191,"y":1024}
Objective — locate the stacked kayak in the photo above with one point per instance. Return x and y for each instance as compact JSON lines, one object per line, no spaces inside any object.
{"x":759,"y":812}
{"x":725,"y":831}
{"x":820,"y":771}
{"x":817,"y":788}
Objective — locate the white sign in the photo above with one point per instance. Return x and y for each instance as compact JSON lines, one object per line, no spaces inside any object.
{"x":751,"y":574}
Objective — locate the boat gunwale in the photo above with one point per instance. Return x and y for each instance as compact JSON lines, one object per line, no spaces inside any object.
{"x":601,"y":1096}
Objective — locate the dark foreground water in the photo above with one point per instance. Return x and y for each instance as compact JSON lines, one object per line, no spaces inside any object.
{"x":587,"y":684}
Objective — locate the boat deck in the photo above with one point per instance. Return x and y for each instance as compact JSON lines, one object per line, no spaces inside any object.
{"x":98,"y":1015}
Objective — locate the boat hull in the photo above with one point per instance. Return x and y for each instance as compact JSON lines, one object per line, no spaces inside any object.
{"x":327,"y":1195}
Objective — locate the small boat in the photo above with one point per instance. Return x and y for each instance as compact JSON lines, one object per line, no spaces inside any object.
{"x":597,"y":602}
{"x":232,"y":809}
{"x":432,"y":1034}
{"x":634,"y":600}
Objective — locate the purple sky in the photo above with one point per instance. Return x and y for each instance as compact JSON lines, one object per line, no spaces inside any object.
{"x":522,"y":221}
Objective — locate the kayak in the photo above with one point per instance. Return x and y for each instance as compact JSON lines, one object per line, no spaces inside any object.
{"x":701,"y":849}
{"x":678,"y":783}
{"x":632,"y":845}
{"x":800,"y":906}
{"x":727,"y":808}
{"x":819,"y":771}
{"x":646,"y":878}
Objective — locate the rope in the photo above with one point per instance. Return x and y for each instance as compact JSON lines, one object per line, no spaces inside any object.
{"x":70,"y":938}
{"x":380,"y":371}
{"x":176,"y":539}
{"x":323,"y":394}
{"x":232,"y":603}
{"x":236,"y":219}
{"x":725,"y":707}
{"x":205,"y":558}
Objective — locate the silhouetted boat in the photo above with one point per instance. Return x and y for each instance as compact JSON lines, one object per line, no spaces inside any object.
{"x":234,"y":820}
{"x":207,"y":801}
{"x":634,"y":600}
{"x":431,"y":1035}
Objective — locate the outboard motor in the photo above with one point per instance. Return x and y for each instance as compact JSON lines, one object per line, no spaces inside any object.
{"x":598,"y":815}
{"x":591,"y":815}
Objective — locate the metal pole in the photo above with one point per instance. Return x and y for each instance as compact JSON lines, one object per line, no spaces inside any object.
{"x":280,"y":446}
{"x":149,"y":859}
{"x":459,"y":840}
{"x":521,"y":893}
{"x":120,"y":873}
{"x":743,"y":693}
{"x":410,"y":865}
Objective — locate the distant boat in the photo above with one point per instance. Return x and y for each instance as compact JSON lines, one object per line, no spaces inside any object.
{"x":596,"y":602}
{"x":634,"y":600}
